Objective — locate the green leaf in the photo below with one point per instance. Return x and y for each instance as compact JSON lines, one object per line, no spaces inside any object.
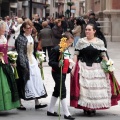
{"x":104,"y":66}
{"x":70,"y":3}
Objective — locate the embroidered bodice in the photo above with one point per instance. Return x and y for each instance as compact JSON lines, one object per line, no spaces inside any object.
{"x":30,"y":48}
{"x":90,"y":52}
{"x":4,"y":48}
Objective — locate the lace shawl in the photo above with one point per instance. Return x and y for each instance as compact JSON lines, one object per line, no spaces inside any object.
{"x":83,"y":43}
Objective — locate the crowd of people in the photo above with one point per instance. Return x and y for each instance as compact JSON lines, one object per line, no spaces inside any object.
{"x":90,"y":87}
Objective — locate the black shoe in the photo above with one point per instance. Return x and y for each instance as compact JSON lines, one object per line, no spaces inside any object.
{"x":69,"y":117}
{"x":21,"y":107}
{"x":40,"y":106}
{"x":52,"y":114}
{"x":90,"y":112}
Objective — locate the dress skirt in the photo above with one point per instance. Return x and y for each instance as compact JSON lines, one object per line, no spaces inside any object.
{"x":95,"y":90}
{"x":91,"y":89}
{"x":34,"y":87}
{"x":6,"y":102}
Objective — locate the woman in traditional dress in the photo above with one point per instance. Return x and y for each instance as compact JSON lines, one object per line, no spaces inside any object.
{"x":30,"y":84}
{"x":9,"y":98}
{"x":91,"y":87}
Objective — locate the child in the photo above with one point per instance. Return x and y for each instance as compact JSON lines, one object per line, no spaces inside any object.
{"x":56,"y":65}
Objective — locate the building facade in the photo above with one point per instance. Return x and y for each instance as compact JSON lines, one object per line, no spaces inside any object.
{"x":22,"y":7}
{"x":58,"y":7}
{"x":37,"y":6}
{"x":109,"y":12}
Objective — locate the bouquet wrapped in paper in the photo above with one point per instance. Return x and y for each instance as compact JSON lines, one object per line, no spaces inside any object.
{"x":109,"y":68}
{"x":12,"y":57}
{"x":41,"y":57}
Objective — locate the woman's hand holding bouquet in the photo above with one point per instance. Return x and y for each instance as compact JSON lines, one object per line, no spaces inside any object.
{"x":12,"y":57}
{"x":109,"y":70}
{"x":41,"y":57}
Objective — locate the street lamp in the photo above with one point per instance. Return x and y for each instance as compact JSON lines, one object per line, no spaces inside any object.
{"x":30,"y":9}
{"x":70,"y":4}
{"x":58,"y":9}
{"x":0,"y":6}
{"x":45,"y":6}
{"x":70,"y":9}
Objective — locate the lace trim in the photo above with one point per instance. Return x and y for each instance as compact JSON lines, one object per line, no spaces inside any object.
{"x":3,"y":40}
{"x":93,"y":97}
{"x":99,"y":45}
{"x":93,"y":83}
{"x":95,"y":105}
{"x":92,"y":101}
{"x":91,"y":73}
{"x":94,"y":93}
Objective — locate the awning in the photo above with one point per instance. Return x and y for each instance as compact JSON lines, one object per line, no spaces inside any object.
{"x":37,"y":5}
{"x":13,"y":5}
{"x":25,"y":3}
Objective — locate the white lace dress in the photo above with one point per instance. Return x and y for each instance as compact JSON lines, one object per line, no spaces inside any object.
{"x":95,"y":90}
{"x":34,"y":87}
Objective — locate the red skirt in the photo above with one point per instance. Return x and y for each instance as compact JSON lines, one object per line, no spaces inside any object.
{"x":75,"y":90}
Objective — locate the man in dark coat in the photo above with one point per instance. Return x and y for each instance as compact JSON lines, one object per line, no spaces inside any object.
{"x":37,"y":23}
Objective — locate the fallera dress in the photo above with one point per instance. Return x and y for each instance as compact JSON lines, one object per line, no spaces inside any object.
{"x":90,"y":88}
{"x":8,"y":90}
{"x":34,"y":87}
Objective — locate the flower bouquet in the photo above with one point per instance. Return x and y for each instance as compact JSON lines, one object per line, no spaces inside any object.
{"x":63,"y":46}
{"x":12,"y":57}
{"x":41,"y":57}
{"x":109,"y":68}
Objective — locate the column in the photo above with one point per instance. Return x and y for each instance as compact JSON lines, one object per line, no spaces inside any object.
{"x":88,"y":6}
{"x":108,"y":4}
{"x":19,"y":9}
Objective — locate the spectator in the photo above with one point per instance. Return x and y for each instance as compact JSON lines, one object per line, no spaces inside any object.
{"x":46,"y":37}
{"x":57,"y":32}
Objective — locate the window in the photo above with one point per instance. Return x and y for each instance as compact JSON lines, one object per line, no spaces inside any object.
{"x":34,"y":10}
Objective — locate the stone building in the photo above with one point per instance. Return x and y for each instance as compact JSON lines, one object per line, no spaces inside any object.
{"x":109,"y":12}
{"x":58,"y":7}
{"x":38,"y":6}
{"x":22,"y":7}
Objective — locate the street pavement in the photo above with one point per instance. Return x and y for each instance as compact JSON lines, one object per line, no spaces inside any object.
{"x":31,"y":114}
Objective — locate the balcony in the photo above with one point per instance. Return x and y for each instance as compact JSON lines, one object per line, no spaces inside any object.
{"x":39,"y":1}
{"x":59,"y":1}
